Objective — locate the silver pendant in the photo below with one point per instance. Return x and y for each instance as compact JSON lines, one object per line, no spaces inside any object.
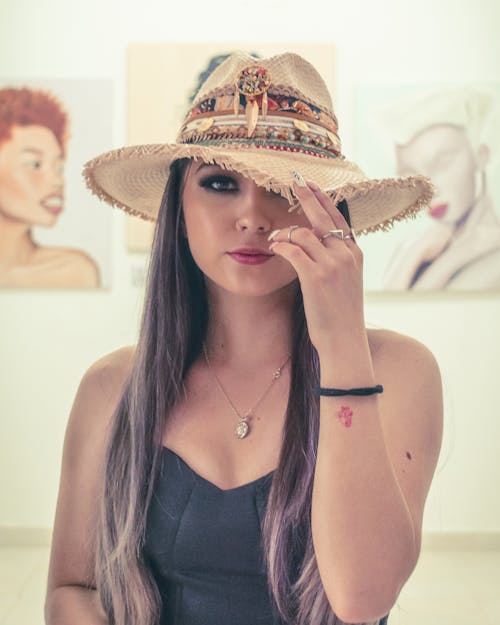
{"x":241,"y":429}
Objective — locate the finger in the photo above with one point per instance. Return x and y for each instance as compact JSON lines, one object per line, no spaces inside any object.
{"x":340,"y":221}
{"x":328,"y":204}
{"x":320,"y":219}
{"x":295,"y":255}
{"x":305,"y":239}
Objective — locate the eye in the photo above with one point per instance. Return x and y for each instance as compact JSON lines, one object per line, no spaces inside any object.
{"x":219,"y":183}
{"x":33,"y":164}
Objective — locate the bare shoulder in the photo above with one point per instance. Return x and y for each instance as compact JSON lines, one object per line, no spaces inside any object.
{"x":109,"y":374}
{"x":73,"y":539}
{"x":393,"y":352}
{"x":69,"y":266}
{"x":102,"y":385}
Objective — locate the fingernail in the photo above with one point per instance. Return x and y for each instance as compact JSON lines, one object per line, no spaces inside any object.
{"x":273,"y":234}
{"x":299,"y":180}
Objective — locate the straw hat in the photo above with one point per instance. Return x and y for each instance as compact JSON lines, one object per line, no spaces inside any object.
{"x":264,"y":118}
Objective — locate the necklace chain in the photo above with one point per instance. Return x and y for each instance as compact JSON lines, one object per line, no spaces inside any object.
{"x":242,"y":428}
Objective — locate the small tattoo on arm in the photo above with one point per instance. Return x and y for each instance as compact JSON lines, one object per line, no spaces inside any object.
{"x":408,"y":455}
{"x":345,"y":416}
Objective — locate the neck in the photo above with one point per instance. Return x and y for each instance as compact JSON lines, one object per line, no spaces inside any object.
{"x":481,"y":213}
{"x":16,"y":242}
{"x":247,"y":332}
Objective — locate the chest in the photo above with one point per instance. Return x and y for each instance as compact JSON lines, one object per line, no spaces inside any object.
{"x":47,"y":269}
{"x":201,"y":427}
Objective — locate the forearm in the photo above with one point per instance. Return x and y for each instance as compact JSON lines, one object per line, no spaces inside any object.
{"x":74,"y":605}
{"x":362,"y":529}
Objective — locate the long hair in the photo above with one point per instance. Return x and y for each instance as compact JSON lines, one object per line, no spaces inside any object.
{"x":173,"y":328}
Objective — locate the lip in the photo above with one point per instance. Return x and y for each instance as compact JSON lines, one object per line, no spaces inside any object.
{"x":252,"y":251}
{"x":438,"y":210}
{"x":250,"y":256}
{"x":53,"y":203}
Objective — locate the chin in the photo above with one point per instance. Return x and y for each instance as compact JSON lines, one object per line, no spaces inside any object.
{"x":46,"y":222}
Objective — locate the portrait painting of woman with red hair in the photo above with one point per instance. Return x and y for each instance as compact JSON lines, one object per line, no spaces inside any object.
{"x":33,"y":149}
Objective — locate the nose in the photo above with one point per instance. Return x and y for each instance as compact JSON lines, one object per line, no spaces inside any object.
{"x":55,"y":176}
{"x":254,"y":210}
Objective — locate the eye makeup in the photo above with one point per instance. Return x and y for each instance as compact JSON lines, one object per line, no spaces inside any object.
{"x":219,"y":183}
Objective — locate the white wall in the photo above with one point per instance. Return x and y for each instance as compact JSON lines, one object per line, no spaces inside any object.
{"x":49,"y":338}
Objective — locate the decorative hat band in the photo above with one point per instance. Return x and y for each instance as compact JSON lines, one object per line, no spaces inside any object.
{"x":276,"y":132}
{"x":246,"y":114}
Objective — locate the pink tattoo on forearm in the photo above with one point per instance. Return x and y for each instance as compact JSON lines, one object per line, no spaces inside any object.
{"x":345,"y":416}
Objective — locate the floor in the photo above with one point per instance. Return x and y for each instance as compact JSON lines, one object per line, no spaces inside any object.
{"x":448,"y":587}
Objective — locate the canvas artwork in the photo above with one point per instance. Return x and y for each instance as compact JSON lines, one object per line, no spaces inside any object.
{"x":449,"y":133}
{"x":157,"y":106}
{"x":53,"y":233}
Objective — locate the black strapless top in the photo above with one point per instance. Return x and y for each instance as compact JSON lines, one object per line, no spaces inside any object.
{"x":203,"y":547}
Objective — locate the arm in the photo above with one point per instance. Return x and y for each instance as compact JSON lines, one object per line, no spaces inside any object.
{"x":71,"y":597}
{"x":368,"y":498}
{"x":372,"y":478}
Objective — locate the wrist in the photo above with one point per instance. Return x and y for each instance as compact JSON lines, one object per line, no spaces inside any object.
{"x":347,"y":369}
{"x":361,"y":391}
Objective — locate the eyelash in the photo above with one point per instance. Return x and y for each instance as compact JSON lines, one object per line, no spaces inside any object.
{"x":33,"y":164}
{"x":209,"y":182}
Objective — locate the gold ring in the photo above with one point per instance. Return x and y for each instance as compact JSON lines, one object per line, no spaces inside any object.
{"x":290,"y":230}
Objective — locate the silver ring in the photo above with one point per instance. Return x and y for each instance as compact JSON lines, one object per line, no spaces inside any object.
{"x":290,"y":230}
{"x":338,"y":234}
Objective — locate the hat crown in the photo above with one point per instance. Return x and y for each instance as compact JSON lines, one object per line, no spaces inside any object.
{"x":290,"y":73}
{"x":266,"y":119}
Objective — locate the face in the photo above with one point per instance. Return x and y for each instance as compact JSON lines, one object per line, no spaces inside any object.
{"x":225,"y":212}
{"x":444,"y":154}
{"x":31,"y":176}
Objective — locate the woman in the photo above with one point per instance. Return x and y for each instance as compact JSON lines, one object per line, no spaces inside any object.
{"x":176,"y":503}
{"x":441,"y":134}
{"x":33,"y":137}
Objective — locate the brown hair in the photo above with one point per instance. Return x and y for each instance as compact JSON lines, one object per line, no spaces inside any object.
{"x":174,"y":324}
{"x":26,"y":107}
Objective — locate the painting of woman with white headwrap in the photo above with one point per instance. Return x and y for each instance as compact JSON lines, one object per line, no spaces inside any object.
{"x":446,"y":134}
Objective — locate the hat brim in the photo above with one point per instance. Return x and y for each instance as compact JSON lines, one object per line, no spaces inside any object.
{"x":134,"y":179}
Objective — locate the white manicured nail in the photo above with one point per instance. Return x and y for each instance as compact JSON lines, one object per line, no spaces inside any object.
{"x":299,"y":180}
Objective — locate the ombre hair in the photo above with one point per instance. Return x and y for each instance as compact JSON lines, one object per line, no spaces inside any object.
{"x":173,"y":328}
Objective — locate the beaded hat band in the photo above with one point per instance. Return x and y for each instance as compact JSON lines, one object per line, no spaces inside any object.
{"x":276,"y":133}
{"x":264,"y":118}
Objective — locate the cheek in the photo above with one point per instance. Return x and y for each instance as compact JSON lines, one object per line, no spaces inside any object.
{"x":20,"y":197}
{"x":202,"y":233}
{"x":17,"y":190}
{"x":456,"y":182}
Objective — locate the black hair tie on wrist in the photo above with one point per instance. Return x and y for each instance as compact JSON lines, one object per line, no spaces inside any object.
{"x":337,"y":392}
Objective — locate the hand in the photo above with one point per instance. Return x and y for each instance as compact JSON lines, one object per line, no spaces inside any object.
{"x":329,"y":271}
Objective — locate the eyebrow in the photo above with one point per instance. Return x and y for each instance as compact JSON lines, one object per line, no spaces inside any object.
{"x":35,"y":150}
{"x":40,"y":152}
{"x":202,"y":165}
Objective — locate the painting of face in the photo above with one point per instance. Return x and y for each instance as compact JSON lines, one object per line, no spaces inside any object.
{"x":444,"y":154}
{"x":31,"y":176}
